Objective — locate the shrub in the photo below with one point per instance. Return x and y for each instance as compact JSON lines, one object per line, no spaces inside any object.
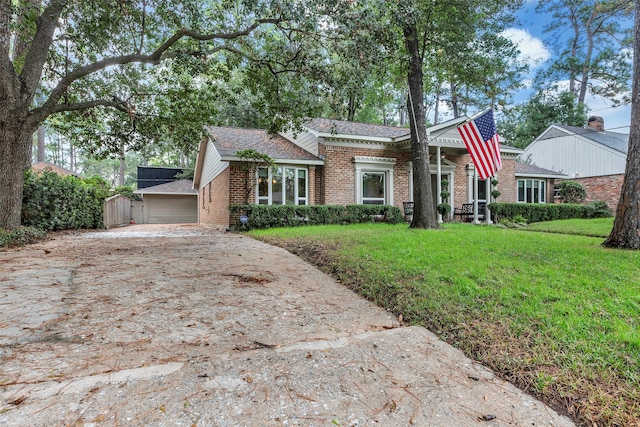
{"x":537,"y":212}
{"x":20,"y":236}
{"x":571,"y":192}
{"x":54,"y":202}
{"x":267,"y":216}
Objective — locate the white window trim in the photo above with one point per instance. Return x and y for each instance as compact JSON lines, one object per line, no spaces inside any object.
{"x":295,"y":181}
{"x":542,"y":190}
{"x":374,"y":164}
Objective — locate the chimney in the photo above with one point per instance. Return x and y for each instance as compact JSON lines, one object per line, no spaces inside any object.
{"x":596,"y":123}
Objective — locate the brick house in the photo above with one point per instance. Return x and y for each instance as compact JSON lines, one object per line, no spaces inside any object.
{"x":591,"y":156}
{"x":338,"y":163}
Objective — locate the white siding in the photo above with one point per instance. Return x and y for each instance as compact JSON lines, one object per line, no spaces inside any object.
{"x":575,"y":157}
{"x":305,"y":140}
{"x":212,"y":166}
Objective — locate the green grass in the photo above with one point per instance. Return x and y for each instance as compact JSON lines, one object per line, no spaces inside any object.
{"x":596,"y":227}
{"x":557,"y":314}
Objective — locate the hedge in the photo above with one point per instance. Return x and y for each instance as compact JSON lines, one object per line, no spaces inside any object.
{"x":537,"y":212}
{"x":267,"y":216}
{"x":54,"y":202}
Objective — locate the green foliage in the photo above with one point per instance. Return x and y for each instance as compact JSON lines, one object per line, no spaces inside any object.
{"x":536,"y":212}
{"x":571,"y":192}
{"x":20,"y":236}
{"x":521,"y":124}
{"x":443,"y":209}
{"x":268,"y":216}
{"x":54,"y":202}
{"x":125,"y":190}
{"x":250,"y":161}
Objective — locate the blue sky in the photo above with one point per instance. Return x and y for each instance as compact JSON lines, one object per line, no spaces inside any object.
{"x":530,"y":37}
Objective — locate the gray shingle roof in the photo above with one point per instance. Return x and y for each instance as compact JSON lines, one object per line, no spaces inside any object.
{"x":614,"y":140}
{"x":180,"y":186}
{"x":529,"y":169}
{"x":340,"y":127}
{"x":229,"y":140}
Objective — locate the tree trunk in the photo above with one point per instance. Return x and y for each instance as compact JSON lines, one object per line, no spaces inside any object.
{"x":41,"y":144}
{"x":15,"y":155}
{"x":626,"y":229}
{"x":424,"y":213}
{"x":122,"y":166}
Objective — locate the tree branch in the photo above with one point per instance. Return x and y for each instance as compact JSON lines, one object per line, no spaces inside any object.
{"x":39,"y":46}
{"x":51,"y":105}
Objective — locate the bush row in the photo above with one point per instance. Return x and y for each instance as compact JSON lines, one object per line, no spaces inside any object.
{"x":54,"y":202}
{"x":267,"y":216}
{"x":537,"y":212}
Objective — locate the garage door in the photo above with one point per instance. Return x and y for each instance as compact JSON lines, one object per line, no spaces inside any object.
{"x":164,"y":209}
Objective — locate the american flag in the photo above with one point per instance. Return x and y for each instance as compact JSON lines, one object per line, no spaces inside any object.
{"x":480,"y":136}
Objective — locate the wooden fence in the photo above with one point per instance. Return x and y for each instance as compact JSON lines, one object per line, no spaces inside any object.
{"x":117,"y":211}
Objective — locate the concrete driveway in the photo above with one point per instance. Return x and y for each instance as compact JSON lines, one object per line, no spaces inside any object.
{"x":186,"y":326}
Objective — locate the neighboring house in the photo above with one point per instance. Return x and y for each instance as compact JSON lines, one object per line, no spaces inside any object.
{"x":338,"y":163}
{"x":170,"y":203}
{"x":50,"y":167}
{"x":149,"y":176}
{"x":591,"y":156}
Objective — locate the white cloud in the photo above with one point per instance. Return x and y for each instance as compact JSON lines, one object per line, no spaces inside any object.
{"x":532,"y":49}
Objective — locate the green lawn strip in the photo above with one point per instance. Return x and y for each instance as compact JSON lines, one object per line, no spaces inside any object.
{"x":596,"y":227}
{"x":557,"y":314}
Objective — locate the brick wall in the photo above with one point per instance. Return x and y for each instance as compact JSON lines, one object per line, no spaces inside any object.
{"x":213,"y":201}
{"x":338,"y":181}
{"x":602,"y":188}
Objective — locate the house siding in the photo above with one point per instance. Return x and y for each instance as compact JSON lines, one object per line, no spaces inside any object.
{"x":212,"y":166}
{"x":575,"y":157}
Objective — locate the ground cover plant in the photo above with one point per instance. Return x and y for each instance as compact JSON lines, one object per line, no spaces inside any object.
{"x":556,"y":314}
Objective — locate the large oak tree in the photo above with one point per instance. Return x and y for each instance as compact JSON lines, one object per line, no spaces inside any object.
{"x":64,"y":56}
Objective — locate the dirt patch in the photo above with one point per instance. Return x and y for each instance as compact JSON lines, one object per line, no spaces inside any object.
{"x":181,"y":325}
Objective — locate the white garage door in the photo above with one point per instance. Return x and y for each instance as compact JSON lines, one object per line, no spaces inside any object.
{"x":165,"y":209}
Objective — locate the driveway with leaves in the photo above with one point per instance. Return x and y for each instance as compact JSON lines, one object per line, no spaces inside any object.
{"x":182,"y":325}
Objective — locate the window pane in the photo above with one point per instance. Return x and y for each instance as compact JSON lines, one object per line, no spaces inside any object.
{"x":290,"y":185}
{"x":482,"y":189}
{"x":302,"y":184}
{"x":521,"y":190}
{"x":276,"y":187}
{"x":263,"y":182}
{"x":373,"y":188}
{"x":528,"y":197}
{"x":536,"y":191}
{"x":543,"y":192}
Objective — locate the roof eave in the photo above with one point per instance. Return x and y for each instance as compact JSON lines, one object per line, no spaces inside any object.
{"x":541,"y":175}
{"x":318,"y":162}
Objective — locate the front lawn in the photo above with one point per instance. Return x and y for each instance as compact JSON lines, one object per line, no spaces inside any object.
{"x":556,"y":314}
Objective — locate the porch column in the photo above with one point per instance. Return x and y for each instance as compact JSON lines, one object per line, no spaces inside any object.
{"x":439,"y":181}
{"x":475,"y":197}
{"x":487,"y":212}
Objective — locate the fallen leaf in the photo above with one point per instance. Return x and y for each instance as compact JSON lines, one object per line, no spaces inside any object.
{"x":164,"y":411}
